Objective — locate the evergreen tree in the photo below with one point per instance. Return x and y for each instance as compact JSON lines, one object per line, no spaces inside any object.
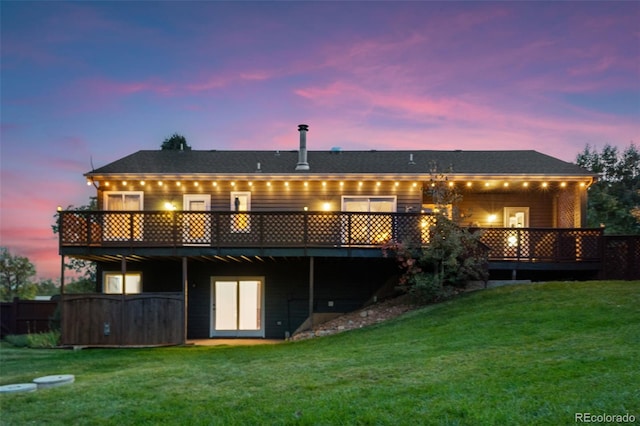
{"x":175,"y":142}
{"x":614,"y":199}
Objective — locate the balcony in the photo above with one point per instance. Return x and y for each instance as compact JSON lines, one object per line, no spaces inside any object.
{"x":92,"y":234}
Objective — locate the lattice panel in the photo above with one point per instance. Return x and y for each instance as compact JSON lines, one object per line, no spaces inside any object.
{"x":123,"y":226}
{"x":323,"y":229}
{"x":282,"y":230}
{"x":159,"y":228}
{"x":195,"y":228}
{"x":238,"y":229}
{"x":566,"y":209}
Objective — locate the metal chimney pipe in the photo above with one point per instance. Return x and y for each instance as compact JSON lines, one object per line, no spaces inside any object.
{"x":302,"y":153}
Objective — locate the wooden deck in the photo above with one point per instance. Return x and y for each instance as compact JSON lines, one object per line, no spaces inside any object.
{"x":102,"y":234}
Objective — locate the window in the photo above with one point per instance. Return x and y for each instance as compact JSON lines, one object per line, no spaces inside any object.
{"x":123,"y":226}
{"x":367,"y":228}
{"x":112,"y":283}
{"x":240,"y":202}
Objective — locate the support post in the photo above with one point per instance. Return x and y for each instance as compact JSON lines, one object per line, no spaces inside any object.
{"x":185,"y":293}
{"x":311,"y":261}
{"x":123,"y":270}
{"x":61,"y":302}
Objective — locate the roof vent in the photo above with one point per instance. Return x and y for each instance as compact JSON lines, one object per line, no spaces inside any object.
{"x":411,"y":159}
{"x":336,"y":150}
{"x":258,"y":169}
{"x":302,"y":153}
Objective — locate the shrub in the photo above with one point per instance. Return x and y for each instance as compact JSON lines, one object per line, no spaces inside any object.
{"x":17,"y":340}
{"x":452,"y":257}
{"x":35,"y":341}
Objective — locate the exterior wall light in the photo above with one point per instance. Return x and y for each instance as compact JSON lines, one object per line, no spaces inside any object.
{"x":326,"y":207}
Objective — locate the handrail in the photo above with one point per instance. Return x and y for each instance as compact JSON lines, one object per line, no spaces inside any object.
{"x":294,"y":229}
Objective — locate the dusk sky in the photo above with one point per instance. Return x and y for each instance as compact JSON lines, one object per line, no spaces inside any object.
{"x":95,"y":81}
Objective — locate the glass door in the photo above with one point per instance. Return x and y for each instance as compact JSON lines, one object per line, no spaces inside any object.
{"x":237,"y":307}
{"x":196,"y":227}
{"x":367,"y":228}
{"x":240,"y":202}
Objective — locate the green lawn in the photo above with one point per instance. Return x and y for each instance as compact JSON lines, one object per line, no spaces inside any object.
{"x":529,"y":354}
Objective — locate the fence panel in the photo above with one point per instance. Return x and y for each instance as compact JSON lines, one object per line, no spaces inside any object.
{"x":27,"y":316}
{"x":145,"y":319}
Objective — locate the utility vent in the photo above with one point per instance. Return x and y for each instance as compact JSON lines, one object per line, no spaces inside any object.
{"x":258,"y":169}
{"x":302,"y":153}
{"x":336,"y":150}
{"x":411,"y":159}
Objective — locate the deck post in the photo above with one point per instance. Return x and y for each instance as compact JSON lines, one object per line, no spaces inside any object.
{"x":123,"y":270}
{"x":185,"y":290}
{"x":311,"y":292}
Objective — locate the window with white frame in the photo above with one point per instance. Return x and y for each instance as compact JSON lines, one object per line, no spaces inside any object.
{"x":123,"y":226}
{"x":112,"y":283}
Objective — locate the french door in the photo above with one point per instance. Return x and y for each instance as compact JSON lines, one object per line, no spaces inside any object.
{"x":237,"y":307}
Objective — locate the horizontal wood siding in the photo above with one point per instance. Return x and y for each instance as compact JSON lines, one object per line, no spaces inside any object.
{"x":476,"y":207}
{"x":114,"y":320}
{"x":274,"y":197}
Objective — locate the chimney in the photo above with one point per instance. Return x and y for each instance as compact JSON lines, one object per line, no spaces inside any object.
{"x":302,"y":154}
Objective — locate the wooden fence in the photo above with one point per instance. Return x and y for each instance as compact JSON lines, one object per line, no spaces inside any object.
{"x":621,"y":257}
{"x":27,"y":316}
{"x":146,"y":319}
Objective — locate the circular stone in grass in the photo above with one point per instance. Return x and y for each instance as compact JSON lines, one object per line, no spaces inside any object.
{"x":20,"y":387}
{"x":53,"y":381}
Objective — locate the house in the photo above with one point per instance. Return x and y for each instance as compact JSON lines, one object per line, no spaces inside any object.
{"x":205,"y":244}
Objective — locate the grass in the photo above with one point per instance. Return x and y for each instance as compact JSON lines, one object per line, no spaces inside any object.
{"x":531,"y":354}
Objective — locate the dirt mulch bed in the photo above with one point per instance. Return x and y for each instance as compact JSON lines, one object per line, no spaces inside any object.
{"x":373,"y":314}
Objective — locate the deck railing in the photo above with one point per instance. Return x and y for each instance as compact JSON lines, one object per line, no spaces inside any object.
{"x":149,"y":229}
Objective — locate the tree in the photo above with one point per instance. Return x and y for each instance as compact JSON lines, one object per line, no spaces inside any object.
{"x":47,"y":288}
{"x":16,"y":273}
{"x":85,"y":269}
{"x":614,"y":199}
{"x":175,"y":142}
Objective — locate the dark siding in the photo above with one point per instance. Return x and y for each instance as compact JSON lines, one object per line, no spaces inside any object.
{"x":276,"y":197}
{"x":349,"y":283}
{"x":476,"y":207}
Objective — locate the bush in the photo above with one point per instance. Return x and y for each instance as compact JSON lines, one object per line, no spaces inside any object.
{"x":18,"y":340}
{"x":425,"y":288}
{"x":35,"y":341}
{"x":452,"y":257}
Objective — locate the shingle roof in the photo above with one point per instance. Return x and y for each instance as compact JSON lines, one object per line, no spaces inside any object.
{"x":343,"y":162}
